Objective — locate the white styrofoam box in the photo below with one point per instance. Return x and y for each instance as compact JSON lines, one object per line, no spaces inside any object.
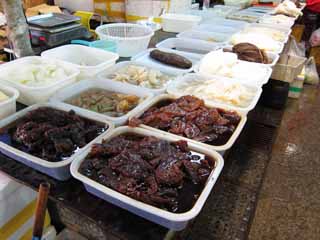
{"x":227,"y":23}
{"x":83,"y":5}
{"x":220,"y":149}
{"x":205,"y":36}
{"x":144,"y":57}
{"x":32,"y":95}
{"x":74,"y":90}
{"x":179,"y":22}
{"x":121,"y":65}
{"x":271,"y":56}
{"x":197,"y":48}
{"x":90,"y":61}
{"x":175,"y":89}
{"x":175,"y":221}
{"x":57,"y":170}
{"x":8,"y":106}
{"x":216,"y":28}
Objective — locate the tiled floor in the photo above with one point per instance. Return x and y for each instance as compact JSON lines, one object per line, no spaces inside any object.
{"x":289,"y":202}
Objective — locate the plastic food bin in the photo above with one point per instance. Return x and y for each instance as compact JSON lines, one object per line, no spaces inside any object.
{"x":227,"y":23}
{"x":8,"y":106}
{"x":237,"y":3}
{"x":58,"y":170}
{"x":220,"y":149}
{"x":174,"y":221}
{"x":32,"y":95}
{"x":205,"y":36}
{"x":217,"y":29}
{"x":174,"y":89}
{"x":144,"y":58}
{"x":177,"y":23}
{"x":196,"y":48}
{"x":112,"y":86}
{"x":90,"y":61}
{"x":121,"y":65}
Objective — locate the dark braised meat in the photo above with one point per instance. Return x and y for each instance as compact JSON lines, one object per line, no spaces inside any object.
{"x":51,"y":134}
{"x":148,"y":169}
{"x":189,"y":117}
{"x":171,"y":59}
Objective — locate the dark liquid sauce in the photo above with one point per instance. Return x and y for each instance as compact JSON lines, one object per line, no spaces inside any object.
{"x":7,"y":132}
{"x":187,"y":194}
{"x":221,"y":140}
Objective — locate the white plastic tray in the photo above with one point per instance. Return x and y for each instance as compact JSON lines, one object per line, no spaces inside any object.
{"x":170,"y":220}
{"x":112,"y":86}
{"x":58,"y":170}
{"x":176,"y":23}
{"x":175,"y":89}
{"x":8,"y":106}
{"x":90,"y":61}
{"x":106,"y":75}
{"x":220,"y":149}
{"x":32,"y":95}
{"x":216,"y":29}
{"x":272,"y":56}
{"x":268,"y":20}
{"x":227,"y":23}
{"x":205,"y":36}
{"x":144,"y":58}
{"x":196,"y":48}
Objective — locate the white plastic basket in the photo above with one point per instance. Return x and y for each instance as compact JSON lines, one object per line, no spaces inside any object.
{"x":112,"y":86}
{"x":130,"y":38}
{"x":121,"y":65}
{"x":175,"y":89}
{"x":90,"y":61}
{"x":198,"y":48}
{"x":58,"y":170}
{"x":30,"y":95}
{"x":174,"y":221}
{"x":8,"y":106}
{"x":221,"y":149}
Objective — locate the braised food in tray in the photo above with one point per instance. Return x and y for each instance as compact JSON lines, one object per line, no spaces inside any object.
{"x":171,"y":59}
{"x":50,"y":134}
{"x":157,"y":172}
{"x":102,"y":101}
{"x":188,"y":116}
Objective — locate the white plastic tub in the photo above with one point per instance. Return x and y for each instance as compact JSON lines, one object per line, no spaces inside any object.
{"x":175,"y":89}
{"x":31,"y":95}
{"x":205,"y":36}
{"x":179,"y":22}
{"x":90,"y":61}
{"x":58,"y":170}
{"x":67,"y":93}
{"x":144,"y":58}
{"x":8,"y":106}
{"x":197,"y":48}
{"x":121,"y":65}
{"x":216,"y":29}
{"x":227,"y":23}
{"x":220,"y":149}
{"x":162,"y":217}
{"x":271,"y":56}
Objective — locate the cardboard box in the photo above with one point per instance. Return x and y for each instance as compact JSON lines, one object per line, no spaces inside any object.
{"x":33,"y":3}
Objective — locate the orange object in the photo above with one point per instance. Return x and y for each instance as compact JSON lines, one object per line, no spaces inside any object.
{"x":297,"y":32}
{"x":315,"y":52}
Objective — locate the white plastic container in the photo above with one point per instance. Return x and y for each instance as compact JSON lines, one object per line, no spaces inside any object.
{"x":216,"y":29}
{"x":221,"y":149}
{"x":8,"y":106}
{"x":121,"y":65}
{"x":67,"y":93}
{"x":174,"y":221}
{"x":32,"y":95}
{"x":130,"y":38}
{"x":175,"y":89}
{"x":90,"y":61}
{"x":57,"y":170}
{"x":237,"y":3}
{"x":144,"y":58}
{"x":205,"y":36}
{"x":227,"y":23}
{"x":179,"y":22}
{"x":273,"y":57}
{"x":83,"y":5}
{"x":197,"y":48}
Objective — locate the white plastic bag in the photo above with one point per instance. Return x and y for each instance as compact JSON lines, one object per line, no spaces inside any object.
{"x":315,"y":38}
{"x":311,"y":73}
{"x":295,"y":49}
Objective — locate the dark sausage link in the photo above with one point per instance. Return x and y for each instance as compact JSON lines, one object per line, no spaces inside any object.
{"x":171,"y":59}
